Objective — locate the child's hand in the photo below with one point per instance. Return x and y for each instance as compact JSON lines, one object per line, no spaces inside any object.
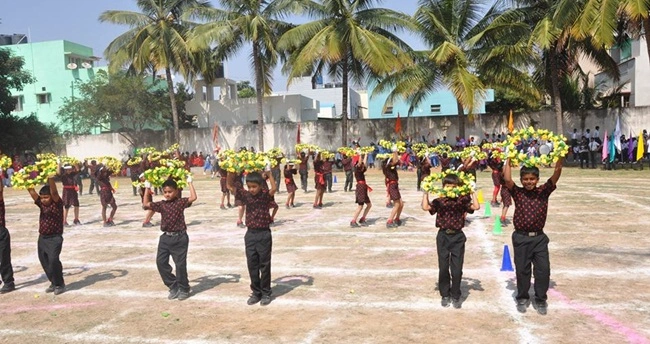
{"x":189,"y":179}
{"x":147,"y":184}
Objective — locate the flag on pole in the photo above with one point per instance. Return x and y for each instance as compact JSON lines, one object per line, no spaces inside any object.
{"x":298,"y":134}
{"x":617,"y":134}
{"x":605,"y":152}
{"x":640,"y":147}
{"x":215,"y":135}
{"x":511,"y":123}
{"x":398,"y":124}
{"x":612,"y":148}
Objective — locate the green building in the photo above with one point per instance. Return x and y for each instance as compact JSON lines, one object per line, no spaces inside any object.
{"x":56,"y":66}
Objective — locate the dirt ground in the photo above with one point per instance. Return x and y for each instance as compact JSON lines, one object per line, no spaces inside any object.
{"x":336,"y":284}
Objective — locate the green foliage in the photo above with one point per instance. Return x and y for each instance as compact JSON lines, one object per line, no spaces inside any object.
{"x":13,"y":76}
{"x":18,"y":135}
{"x":131,"y":102}
{"x":245,"y":90}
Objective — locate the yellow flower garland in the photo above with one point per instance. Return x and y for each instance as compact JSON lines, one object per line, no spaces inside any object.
{"x":560,"y":148}
{"x":5,"y":162}
{"x":401,"y":145}
{"x":432,"y":184}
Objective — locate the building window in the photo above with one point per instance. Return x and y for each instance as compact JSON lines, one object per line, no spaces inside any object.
{"x":43,"y":98}
{"x":435,"y":108}
{"x":388,"y":110}
{"x":19,"y":103}
{"x":626,"y":100}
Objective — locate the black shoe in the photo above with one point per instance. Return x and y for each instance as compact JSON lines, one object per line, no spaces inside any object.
{"x":398,"y":222}
{"x":522,"y":304}
{"x":445,"y":302}
{"x":173,"y":293}
{"x":266,"y":300}
{"x":354,"y":224}
{"x":183,"y":295}
{"x":253,"y":299}
{"x":8,"y":287}
{"x":50,"y":289}
{"x":456,"y":303}
{"x":59,"y":290}
{"x":541,"y":307}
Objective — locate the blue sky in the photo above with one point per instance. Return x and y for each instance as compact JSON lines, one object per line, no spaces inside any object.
{"x":76,"y":21}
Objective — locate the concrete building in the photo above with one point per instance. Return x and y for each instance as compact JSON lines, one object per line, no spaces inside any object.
{"x":56,"y":66}
{"x":329,"y":95}
{"x":634,"y":66}
{"x":218,"y":104}
{"x":441,"y":103}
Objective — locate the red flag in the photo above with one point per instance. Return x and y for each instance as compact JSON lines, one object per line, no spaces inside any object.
{"x":398,"y":124}
{"x":298,"y":135}
{"x":215,"y":135}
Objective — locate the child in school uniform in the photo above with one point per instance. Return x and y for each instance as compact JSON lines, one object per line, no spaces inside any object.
{"x":70,"y":196}
{"x":273,"y":205}
{"x":258,"y":238}
{"x":50,"y":238}
{"x":361,"y":192}
{"x":389,"y":168}
{"x":529,"y":241}
{"x":225,"y":193}
{"x":103,"y":180}
{"x":450,"y":241}
{"x":6,"y":269}
{"x":289,"y":172}
{"x":174,"y":241}
{"x":319,"y":181}
{"x":142,"y":191}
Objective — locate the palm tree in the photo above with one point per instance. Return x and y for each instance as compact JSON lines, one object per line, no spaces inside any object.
{"x":257,"y":22}
{"x":472,"y":47}
{"x":561,"y":51}
{"x":156,"y":40}
{"x":353,"y":39}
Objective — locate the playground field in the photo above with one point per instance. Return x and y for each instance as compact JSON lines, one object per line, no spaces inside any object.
{"x":336,"y":284}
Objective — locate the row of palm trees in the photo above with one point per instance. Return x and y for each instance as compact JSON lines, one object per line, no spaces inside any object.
{"x":523,"y":47}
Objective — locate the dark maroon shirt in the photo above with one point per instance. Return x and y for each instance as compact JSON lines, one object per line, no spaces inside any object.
{"x":104,"y":181}
{"x":288,"y":173}
{"x":451,"y":211}
{"x":347,"y":164}
{"x":531,"y":207}
{"x":318,"y":166}
{"x":360,"y":172}
{"x":2,"y":214}
{"x":390,"y":172}
{"x":172,"y":216}
{"x":257,"y":208}
{"x":68,"y":179}
{"x":327,"y":166}
{"x":51,"y":218}
{"x":303,"y":163}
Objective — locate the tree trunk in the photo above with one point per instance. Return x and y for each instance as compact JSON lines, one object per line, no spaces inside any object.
{"x":555,"y":90}
{"x":344,"y":104}
{"x":461,"y":119}
{"x":172,"y":99}
{"x":259,"y":93}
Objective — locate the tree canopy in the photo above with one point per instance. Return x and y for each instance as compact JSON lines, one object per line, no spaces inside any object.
{"x":12,"y":76}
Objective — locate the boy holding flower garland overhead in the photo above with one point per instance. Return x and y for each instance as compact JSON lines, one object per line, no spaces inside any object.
{"x":450,"y":240}
{"x":529,"y":241}
{"x":174,"y":240}
{"x":50,"y":230}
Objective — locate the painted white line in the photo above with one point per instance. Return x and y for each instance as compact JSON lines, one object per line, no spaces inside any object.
{"x":69,"y":337}
{"x":315,"y":333}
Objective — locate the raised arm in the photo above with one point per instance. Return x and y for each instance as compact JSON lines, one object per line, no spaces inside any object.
{"x":192,"y":197}
{"x":558,"y":171}
{"x":274,"y":186}
{"x":425,"y":202}
{"x":475,"y":204}
{"x":230,"y":178}
{"x":2,"y":185}
{"x":33,"y":193}
{"x":146,"y":201}
{"x":395,"y":159}
{"x":507,"y":175}
{"x":54,"y":193}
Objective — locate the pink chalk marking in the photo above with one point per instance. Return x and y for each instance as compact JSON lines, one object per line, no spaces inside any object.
{"x":421,"y":252}
{"x":630,"y":334}
{"x":47,"y":307}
